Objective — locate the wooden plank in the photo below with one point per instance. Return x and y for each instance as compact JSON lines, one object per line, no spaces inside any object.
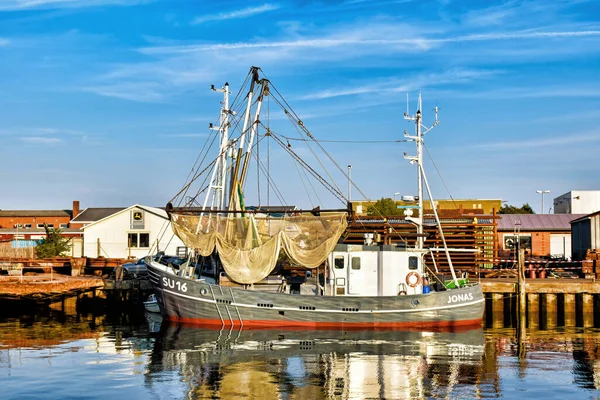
{"x":552,"y":286}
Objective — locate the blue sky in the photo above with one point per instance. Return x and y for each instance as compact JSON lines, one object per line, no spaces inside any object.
{"x":107,"y":101}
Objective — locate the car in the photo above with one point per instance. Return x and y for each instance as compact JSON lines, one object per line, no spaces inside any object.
{"x":132,"y":270}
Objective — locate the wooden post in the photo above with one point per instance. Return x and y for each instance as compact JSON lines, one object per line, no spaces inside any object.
{"x":570,"y":310}
{"x":533,"y":310}
{"x":498,"y":310}
{"x":522,"y":304}
{"x":98,"y":253}
{"x":588,"y":310}
{"x":551,"y":310}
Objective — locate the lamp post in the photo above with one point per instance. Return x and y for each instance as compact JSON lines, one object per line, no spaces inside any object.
{"x":542,"y":192}
{"x":396,"y":194}
{"x":349,"y":182}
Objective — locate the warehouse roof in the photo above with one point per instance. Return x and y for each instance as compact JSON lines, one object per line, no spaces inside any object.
{"x":35,"y":213}
{"x":537,"y":222}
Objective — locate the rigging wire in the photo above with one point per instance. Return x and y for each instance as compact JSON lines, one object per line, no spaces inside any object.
{"x":441,"y":177}
{"x":270,"y":182}
{"x":334,"y":190}
{"x":348,"y":141}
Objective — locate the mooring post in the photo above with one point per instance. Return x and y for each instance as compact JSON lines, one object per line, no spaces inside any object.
{"x":551,"y":310}
{"x":522,"y":333}
{"x":588,"y":310}
{"x":570,"y":310}
{"x":498,"y":310}
{"x":533,"y":310}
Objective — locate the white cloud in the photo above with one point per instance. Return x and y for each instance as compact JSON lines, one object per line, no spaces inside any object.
{"x":187,"y":135}
{"x":553,"y":142}
{"x":408,"y":84}
{"x":4,"y":42}
{"x":324,"y":43}
{"x":244,"y":13}
{"x":16,"y":5}
{"x":41,"y":140}
{"x":145,"y":92}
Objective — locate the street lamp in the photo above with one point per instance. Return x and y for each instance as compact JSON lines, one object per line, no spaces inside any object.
{"x":349,"y":181}
{"x":542,"y":192}
{"x":396,"y":194}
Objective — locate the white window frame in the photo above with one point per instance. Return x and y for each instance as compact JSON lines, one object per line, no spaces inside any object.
{"x":137,"y":235}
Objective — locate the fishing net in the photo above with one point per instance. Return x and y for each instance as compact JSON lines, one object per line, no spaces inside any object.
{"x":249,"y":245}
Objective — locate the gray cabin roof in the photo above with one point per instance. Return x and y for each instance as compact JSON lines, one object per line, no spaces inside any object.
{"x":537,"y":222}
{"x":96,"y":214}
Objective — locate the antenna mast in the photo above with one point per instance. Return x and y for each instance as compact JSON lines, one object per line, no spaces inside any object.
{"x":422,"y":179}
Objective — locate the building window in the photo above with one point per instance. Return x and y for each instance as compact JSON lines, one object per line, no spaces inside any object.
{"x":511,"y":241}
{"x":18,"y":226}
{"x":64,"y":226}
{"x":50,"y":225}
{"x":138,"y":240}
{"x":40,"y":226}
{"x":27,"y":226}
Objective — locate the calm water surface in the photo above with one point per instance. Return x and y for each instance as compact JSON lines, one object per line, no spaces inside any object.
{"x":61,"y":356}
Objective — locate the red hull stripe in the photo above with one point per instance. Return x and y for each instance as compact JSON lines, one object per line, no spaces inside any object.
{"x":443,"y":326}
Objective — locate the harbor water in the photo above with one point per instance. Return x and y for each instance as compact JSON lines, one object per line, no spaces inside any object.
{"x":62,"y":354}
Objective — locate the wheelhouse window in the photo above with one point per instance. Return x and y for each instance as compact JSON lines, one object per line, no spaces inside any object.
{"x":413,"y":262}
{"x":138,"y":240}
{"x":355,"y":263}
{"x":339,"y":262}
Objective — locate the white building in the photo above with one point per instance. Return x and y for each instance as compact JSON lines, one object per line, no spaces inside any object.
{"x":577,"y":202}
{"x":131,"y":232}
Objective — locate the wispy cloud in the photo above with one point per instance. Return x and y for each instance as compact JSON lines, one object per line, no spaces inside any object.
{"x":187,"y":135}
{"x":41,"y":140}
{"x":145,"y":92}
{"x":421,"y":81}
{"x":18,"y":5}
{"x":4,"y":42}
{"x":244,"y":13}
{"x":422,"y":42}
{"x":565,"y":139}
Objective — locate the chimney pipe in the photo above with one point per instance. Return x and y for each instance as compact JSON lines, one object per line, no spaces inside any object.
{"x":75,"y":208}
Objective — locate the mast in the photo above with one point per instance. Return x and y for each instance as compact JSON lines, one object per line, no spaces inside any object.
{"x":254,"y":128}
{"x":234,"y":177}
{"x":217,"y":180}
{"x":418,"y":159}
{"x":422,"y":179}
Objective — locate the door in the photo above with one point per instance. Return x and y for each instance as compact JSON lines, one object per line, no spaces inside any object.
{"x":560,"y":245}
{"x":354,"y":275}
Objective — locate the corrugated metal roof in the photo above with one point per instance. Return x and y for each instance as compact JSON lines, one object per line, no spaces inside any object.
{"x":537,"y":222}
{"x":587,"y":216}
{"x":96,"y":214}
{"x":35,"y":213}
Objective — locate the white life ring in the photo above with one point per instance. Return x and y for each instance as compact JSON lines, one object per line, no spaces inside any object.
{"x":413,"y":279}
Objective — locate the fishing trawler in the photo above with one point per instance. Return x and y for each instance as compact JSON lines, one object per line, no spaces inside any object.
{"x":287,"y":267}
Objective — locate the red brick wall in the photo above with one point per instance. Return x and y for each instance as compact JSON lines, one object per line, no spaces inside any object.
{"x":540,"y":242}
{"x":9,"y":222}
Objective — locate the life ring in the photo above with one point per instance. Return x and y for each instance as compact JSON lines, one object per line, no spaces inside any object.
{"x":413,"y":279}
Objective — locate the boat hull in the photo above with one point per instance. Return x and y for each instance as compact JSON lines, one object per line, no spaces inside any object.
{"x":195,"y":302}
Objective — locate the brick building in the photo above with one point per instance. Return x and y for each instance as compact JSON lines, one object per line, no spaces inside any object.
{"x":20,"y":229}
{"x":541,"y":235}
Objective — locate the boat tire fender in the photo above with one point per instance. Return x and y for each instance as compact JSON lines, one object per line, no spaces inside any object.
{"x":413,"y":279}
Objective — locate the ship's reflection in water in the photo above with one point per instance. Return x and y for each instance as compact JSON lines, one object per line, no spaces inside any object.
{"x":57,"y":355}
{"x":305,"y":364}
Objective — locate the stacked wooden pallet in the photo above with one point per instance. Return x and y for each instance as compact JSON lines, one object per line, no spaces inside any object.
{"x":590,"y":267}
